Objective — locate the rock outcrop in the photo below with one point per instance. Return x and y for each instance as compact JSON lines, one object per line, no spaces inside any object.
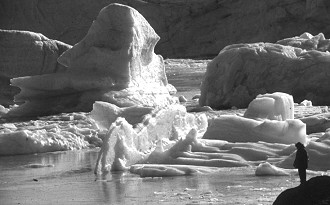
{"x":315,"y":191}
{"x":115,"y":62}
{"x":191,"y":28}
{"x":25,"y":53}
{"x":242,"y":71}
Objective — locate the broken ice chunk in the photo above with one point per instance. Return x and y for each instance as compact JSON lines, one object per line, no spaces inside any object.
{"x":275,"y":106}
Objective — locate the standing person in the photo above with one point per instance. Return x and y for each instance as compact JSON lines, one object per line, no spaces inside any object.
{"x":301,"y":161}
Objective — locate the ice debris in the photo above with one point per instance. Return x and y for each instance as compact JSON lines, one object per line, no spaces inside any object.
{"x":48,"y":134}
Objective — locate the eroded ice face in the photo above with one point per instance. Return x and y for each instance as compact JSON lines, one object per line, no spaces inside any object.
{"x":115,"y":62}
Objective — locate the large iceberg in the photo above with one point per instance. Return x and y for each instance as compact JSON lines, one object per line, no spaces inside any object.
{"x":242,"y":71}
{"x":115,"y":62}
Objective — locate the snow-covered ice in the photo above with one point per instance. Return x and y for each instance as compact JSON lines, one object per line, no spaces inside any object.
{"x":275,"y":106}
{"x":234,"y":128}
{"x":266,"y":169}
{"x":48,"y":134}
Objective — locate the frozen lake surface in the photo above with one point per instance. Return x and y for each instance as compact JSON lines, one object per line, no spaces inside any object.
{"x":68,"y":178}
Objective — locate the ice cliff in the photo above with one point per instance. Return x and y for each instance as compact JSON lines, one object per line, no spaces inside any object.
{"x":115,"y":62}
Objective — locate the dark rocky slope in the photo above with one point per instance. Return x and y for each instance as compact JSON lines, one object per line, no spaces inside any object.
{"x":316,"y":191}
{"x":194,"y":28}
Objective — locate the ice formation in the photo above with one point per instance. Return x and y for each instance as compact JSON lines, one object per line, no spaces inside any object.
{"x":25,"y":53}
{"x":319,"y":154}
{"x":48,"y":134}
{"x":307,"y":41}
{"x":115,"y":62}
{"x":317,"y":123}
{"x":233,"y":128}
{"x":266,"y":169}
{"x":275,"y":106}
{"x":126,"y":144}
{"x":269,"y":118}
{"x":165,"y":170}
{"x":242,"y":71}
{"x":158,"y":141}
{"x":106,"y":113}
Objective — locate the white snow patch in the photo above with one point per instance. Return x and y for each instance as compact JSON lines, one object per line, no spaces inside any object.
{"x":266,"y":169}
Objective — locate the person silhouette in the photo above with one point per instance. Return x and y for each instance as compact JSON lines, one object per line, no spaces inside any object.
{"x":301,"y":161}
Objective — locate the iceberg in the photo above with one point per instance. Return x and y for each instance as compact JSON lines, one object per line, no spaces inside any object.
{"x":269,"y":118}
{"x":242,"y":71}
{"x":275,"y":106}
{"x":234,"y":128}
{"x":115,"y":62}
{"x":25,"y":53}
{"x":125,"y":144}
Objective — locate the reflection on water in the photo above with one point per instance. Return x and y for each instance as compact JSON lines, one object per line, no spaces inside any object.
{"x":68,"y":178}
{"x":24,"y":167}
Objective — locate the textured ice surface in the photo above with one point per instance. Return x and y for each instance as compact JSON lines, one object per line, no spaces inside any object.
{"x":48,"y":134}
{"x":169,"y":137}
{"x":115,"y":62}
{"x":125,"y":144}
{"x":275,"y":106}
{"x":269,"y":118}
{"x":266,"y":169}
{"x":240,"y":129}
{"x":318,"y":151}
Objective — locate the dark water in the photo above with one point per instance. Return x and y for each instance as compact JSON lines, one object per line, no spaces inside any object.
{"x":68,"y":178}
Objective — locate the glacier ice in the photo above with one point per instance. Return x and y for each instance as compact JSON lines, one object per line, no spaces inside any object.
{"x":125,"y":144}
